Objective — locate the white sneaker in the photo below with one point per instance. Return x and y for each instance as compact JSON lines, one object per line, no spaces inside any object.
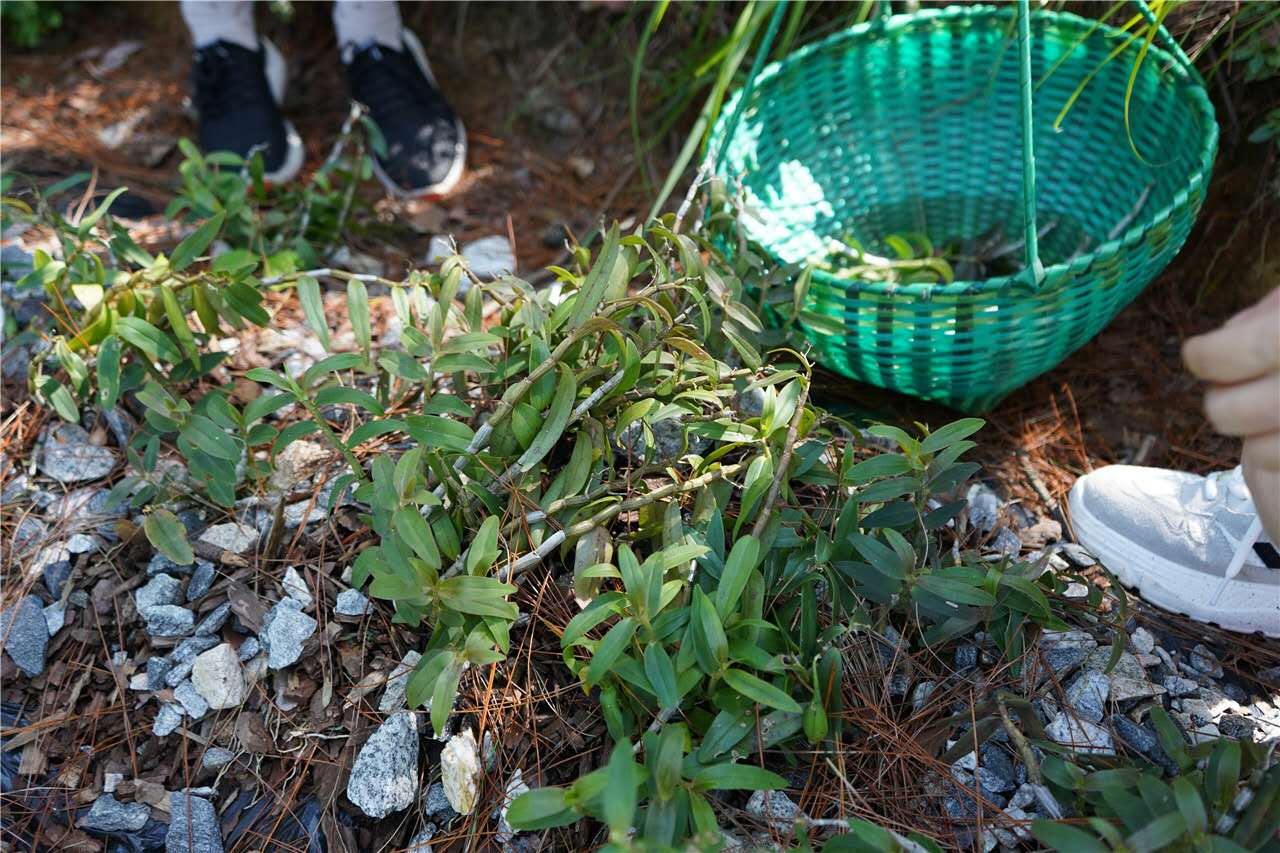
{"x":1183,"y":542}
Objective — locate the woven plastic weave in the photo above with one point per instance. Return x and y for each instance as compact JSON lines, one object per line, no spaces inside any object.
{"x":911,"y":124}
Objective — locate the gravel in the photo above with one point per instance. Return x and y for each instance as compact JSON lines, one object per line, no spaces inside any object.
{"x":1065,"y":650}
{"x":460,"y":771}
{"x":984,"y":507}
{"x":1205,"y":662}
{"x":218,"y":677}
{"x":1179,"y":686}
{"x":436,"y":805}
{"x":215,"y":758}
{"x":384,"y":778}
{"x":168,"y":719}
{"x":774,"y":807}
{"x":110,"y":815}
{"x":233,"y":536}
{"x":352,"y":602}
{"x":296,"y":588}
{"x":393,"y":696}
{"x":192,"y":702}
{"x":55,"y":617}
{"x":193,"y":825}
{"x":169,"y":620}
{"x":160,"y":590}
{"x":26,"y":634}
{"x":1142,"y":641}
{"x":284,"y":631}
{"x":1088,"y":695}
{"x":1080,"y":735}
{"x":213,"y":622}
{"x":69,"y":457}
{"x":202,"y":578}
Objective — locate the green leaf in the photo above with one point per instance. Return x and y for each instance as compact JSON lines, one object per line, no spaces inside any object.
{"x":313,"y":308}
{"x":608,"y":651}
{"x":955,"y":591}
{"x":712,"y":645}
{"x":1160,"y":833}
{"x":438,"y":432}
{"x":92,"y":219}
{"x":146,"y":337}
{"x":742,"y":561}
{"x":760,"y":691}
{"x":166,"y":533}
{"x":210,"y":438}
{"x":178,"y":321}
{"x":601,"y":608}
{"x":484,"y":547}
{"x":737,"y":777}
{"x":413,"y":529}
{"x":1060,"y":836}
{"x":556,"y":419}
{"x":337,"y":395}
{"x":596,"y":285}
{"x":477,"y":595}
{"x":541,"y":808}
{"x":620,"y":789}
{"x":446,"y":690}
{"x":662,"y":675}
{"x":61,"y":400}
{"x":195,"y":243}
{"x":109,"y":371}
{"x":358,"y":311}
{"x":884,"y":465}
{"x":1190,"y":806}
{"x":950,"y":434}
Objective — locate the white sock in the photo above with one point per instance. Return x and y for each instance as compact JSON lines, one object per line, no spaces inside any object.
{"x":360,"y":23}
{"x":220,"y":20}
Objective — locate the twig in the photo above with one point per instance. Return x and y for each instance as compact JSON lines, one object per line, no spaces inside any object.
{"x":784,"y":462}
{"x":1042,"y":491}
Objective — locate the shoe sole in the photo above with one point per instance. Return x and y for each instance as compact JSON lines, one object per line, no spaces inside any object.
{"x":459,"y":166}
{"x":277,"y":80}
{"x":1175,"y":587}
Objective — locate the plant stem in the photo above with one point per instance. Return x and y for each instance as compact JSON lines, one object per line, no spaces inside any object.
{"x":784,"y":462}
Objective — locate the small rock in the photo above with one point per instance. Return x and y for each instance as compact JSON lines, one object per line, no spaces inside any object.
{"x":1179,"y":686}
{"x":215,"y":758}
{"x":1237,"y":727}
{"x":393,"y":696}
{"x":920,"y":696}
{"x":775,"y":808}
{"x":169,"y":620}
{"x":296,"y":588}
{"x":186,"y":651}
{"x":160,"y":590}
{"x":218,"y":677}
{"x":966,"y":656}
{"x":1076,"y":554}
{"x":249,"y":649}
{"x":488,"y":257}
{"x":1076,"y":591}
{"x":201,"y":579}
{"x":29,"y":531}
{"x":749,"y":402}
{"x":25,"y":632}
{"x":193,"y":825}
{"x":460,"y":771}
{"x":110,"y":781}
{"x":55,"y":617}
{"x":1142,"y":641}
{"x":1127,"y":666}
{"x":69,"y":457}
{"x":984,"y":507}
{"x":1136,"y":736}
{"x":421,"y":843}
{"x":516,"y":787}
{"x":157,"y":669}
{"x":110,"y":815}
{"x":160,"y":564}
{"x":53,"y":563}
{"x":181,"y":672}
{"x":213,"y":622}
{"x":1065,"y":650}
{"x":436,"y":805}
{"x":168,"y":719}
{"x":233,"y":536}
{"x":1204,"y":661}
{"x":284,"y":631}
{"x":1129,"y":689}
{"x":1088,"y":695}
{"x":384,"y":777}
{"x":191,"y":700}
{"x":1041,"y":533}
{"x":1006,"y":542}
{"x":352,"y":602}
{"x":1080,"y":735}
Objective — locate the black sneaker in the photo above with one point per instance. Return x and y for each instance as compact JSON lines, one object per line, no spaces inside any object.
{"x":426,"y":142}
{"x":237,"y":95}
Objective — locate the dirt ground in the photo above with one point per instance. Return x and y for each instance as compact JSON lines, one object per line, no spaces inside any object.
{"x":543,"y":91}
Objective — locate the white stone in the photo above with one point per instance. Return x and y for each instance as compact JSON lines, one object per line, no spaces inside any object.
{"x":352,"y":602}
{"x":233,"y":536}
{"x":1142,"y":641}
{"x":296,"y":588}
{"x":218,"y":677}
{"x":393,"y":697}
{"x":1080,"y":735}
{"x":384,"y":778}
{"x":460,"y":771}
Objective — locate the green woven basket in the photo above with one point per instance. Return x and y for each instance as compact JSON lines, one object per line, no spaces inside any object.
{"x":911,"y":124}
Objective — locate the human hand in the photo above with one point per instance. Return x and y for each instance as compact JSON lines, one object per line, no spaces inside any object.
{"x":1241,"y":360}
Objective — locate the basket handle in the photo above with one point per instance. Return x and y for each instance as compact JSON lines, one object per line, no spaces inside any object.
{"x":1031,"y":243}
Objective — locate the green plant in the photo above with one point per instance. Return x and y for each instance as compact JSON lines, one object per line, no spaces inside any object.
{"x":1226,"y":798}
{"x":27,"y":22}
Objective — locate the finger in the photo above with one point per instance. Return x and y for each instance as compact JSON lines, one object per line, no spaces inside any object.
{"x":1250,"y":408}
{"x":1270,"y":302}
{"x":1262,"y":453}
{"x":1239,"y":352}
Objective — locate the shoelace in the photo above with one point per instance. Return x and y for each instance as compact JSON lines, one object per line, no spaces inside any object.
{"x":225,"y":79}
{"x":386,"y":84}
{"x":1231,"y":486}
